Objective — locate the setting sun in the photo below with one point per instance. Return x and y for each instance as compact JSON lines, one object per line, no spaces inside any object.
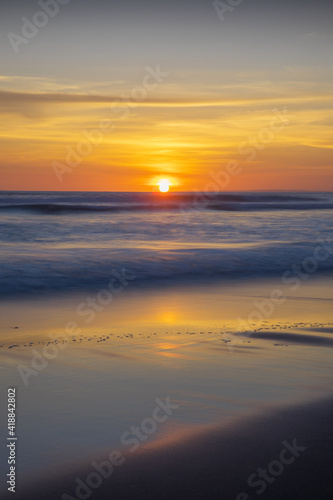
{"x":164,"y":185}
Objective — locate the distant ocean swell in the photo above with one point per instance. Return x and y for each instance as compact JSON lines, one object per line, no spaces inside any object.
{"x":72,"y":203}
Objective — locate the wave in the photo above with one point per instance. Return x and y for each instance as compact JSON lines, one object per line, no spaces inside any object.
{"x":71,"y":203}
{"x":87,"y":269}
{"x":241,"y":207}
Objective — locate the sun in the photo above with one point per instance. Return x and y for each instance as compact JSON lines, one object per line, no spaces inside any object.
{"x":164,"y":185}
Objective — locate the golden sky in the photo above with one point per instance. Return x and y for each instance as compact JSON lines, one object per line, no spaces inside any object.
{"x":123,"y":122}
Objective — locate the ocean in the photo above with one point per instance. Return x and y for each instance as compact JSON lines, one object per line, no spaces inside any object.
{"x":71,"y":241}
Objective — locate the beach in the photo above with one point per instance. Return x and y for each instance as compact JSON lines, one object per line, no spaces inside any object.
{"x":273,"y":456}
{"x":236,"y":396}
{"x":182,"y":382}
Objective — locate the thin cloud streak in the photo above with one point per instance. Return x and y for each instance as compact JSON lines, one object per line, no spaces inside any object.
{"x":7,"y":97}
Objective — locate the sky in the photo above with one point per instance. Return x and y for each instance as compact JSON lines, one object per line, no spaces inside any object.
{"x":114,"y":96}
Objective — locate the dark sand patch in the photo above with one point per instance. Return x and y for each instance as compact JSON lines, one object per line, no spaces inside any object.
{"x":320,"y":330}
{"x":298,"y":338}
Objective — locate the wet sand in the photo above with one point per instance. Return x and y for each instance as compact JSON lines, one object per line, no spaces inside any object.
{"x":241,"y":394}
{"x":217,"y":462}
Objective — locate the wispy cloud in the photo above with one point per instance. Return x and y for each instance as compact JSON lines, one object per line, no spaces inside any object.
{"x":21,"y":102}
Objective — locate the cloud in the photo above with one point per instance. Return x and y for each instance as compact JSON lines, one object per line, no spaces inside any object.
{"x":32,"y":103}
{"x":326,"y":122}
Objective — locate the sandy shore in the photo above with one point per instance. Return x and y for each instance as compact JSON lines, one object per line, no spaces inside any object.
{"x":217,"y":462}
{"x":241,"y":398}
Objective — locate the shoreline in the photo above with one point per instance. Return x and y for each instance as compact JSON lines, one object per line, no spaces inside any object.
{"x":235,"y":304}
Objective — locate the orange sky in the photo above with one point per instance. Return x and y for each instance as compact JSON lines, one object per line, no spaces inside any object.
{"x":61,"y":144}
{"x":139,"y":102}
